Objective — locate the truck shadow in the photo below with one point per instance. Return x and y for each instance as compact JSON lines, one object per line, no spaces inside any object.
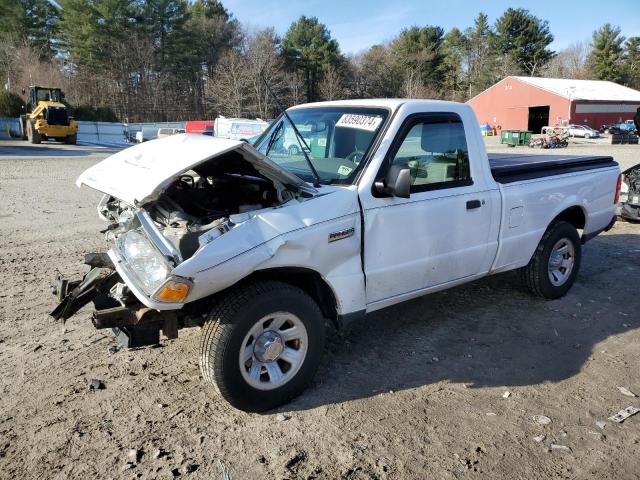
{"x":489,"y":333}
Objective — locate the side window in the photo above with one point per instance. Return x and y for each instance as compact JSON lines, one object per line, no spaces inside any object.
{"x":436,"y":153}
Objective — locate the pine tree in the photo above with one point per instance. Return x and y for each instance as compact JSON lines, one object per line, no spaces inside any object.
{"x":632,"y":62}
{"x":419,"y":50}
{"x":32,"y":21}
{"x":480,"y":58}
{"x":605,"y":60}
{"x":455,"y":46}
{"x":308,"y":47}
{"x":523,"y":38}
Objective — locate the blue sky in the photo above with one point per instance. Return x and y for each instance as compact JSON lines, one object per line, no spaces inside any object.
{"x":357,"y":24}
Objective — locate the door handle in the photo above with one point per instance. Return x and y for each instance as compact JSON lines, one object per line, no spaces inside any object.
{"x":471,"y":204}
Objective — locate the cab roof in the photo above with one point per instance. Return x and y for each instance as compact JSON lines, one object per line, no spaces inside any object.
{"x":390,"y":103}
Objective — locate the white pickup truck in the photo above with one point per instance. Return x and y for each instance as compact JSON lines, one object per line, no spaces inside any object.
{"x":385,"y":201}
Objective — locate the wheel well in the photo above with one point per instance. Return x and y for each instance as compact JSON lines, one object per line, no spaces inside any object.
{"x":574,"y":215}
{"x":310,"y":281}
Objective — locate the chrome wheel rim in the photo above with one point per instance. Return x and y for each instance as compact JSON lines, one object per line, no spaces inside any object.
{"x":561,"y":262}
{"x":273,"y":350}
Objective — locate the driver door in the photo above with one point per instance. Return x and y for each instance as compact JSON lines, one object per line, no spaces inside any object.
{"x":442,"y":233}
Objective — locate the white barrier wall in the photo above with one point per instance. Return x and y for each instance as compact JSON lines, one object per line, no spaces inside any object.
{"x":111,"y":134}
{"x":101,"y":133}
{"x":116,"y":134}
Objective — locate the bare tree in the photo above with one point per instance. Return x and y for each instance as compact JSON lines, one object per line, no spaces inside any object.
{"x":229,"y":91}
{"x":297,"y":87}
{"x":264,"y":62}
{"x":332,"y":84}
{"x":412,"y":85}
{"x":24,"y":66}
{"x":569,"y":63}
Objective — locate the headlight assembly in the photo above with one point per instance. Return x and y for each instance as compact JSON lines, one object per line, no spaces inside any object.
{"x":148,"y":265}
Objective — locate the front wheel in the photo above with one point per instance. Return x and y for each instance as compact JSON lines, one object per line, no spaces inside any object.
{"x":262,"y":345}
{"x":32,"y":134}
{"x":293,"y":150}
{"x":555,"y":263}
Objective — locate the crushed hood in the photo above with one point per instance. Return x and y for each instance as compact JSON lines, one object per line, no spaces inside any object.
{"x":140,"y":173}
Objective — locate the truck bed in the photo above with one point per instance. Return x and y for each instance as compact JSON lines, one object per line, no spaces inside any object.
{"x":508,"y":168}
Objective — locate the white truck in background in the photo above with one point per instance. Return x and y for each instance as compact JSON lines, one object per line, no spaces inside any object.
{"x":385,"y":201}
{"x":238,"y":128}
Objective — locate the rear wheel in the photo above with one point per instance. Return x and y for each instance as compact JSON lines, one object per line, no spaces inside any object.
{"x":262,"y":345}
{"x":587,"y":136}
{"x":555,"y":263}
{"x":71,"y":139}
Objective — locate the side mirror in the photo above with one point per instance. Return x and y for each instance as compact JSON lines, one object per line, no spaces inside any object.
{"x":397,"y":182}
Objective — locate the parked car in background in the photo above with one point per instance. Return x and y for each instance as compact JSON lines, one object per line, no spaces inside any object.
{"x":622,"y":128}
{"x":167,"y":132}
{"x":583,"y":131}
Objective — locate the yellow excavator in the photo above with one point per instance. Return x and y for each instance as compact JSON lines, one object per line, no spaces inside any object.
{"x":47,"y":117}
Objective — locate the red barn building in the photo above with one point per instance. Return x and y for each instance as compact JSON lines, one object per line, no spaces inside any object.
{"x":530,"y":103}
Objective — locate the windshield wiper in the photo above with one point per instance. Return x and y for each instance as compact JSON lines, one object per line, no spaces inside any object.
{"x":301,"y":141}
{"x":273,"y":137}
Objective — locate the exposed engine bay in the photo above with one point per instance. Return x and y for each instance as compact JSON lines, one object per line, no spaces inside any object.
{"x":202,"y":200}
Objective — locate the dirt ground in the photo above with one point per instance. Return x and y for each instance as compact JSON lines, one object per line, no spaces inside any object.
{"x":413,"y":391}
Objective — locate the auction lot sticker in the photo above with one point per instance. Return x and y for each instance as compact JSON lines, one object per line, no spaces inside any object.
{"x":361,"y":122}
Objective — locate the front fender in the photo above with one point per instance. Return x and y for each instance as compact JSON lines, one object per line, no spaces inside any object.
{"x":295,"y":235}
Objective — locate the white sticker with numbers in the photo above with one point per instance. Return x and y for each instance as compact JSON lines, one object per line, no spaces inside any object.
{"x":361,"y":122}
{"x":344,"y":170}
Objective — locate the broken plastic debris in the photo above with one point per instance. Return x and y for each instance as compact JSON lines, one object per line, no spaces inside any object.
{"x":541,"y":419}
{"x":627,"y":392}
{"x":622,"y":415}
{"x":506,"y":394}
{"x":560,"y":447}
{"x":539,"y":438}
{"x":601,"y":424}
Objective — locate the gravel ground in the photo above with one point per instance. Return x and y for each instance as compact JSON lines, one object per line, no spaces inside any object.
{"x":446,"y":386}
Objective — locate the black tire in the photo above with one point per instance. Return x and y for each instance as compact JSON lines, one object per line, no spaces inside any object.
{"x":293,"y":150}
{"x":71,"y":139}
{"x":535,"y":275}
{"x":226,"y":328}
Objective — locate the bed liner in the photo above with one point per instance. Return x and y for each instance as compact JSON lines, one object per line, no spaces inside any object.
{"x":508,"y":168}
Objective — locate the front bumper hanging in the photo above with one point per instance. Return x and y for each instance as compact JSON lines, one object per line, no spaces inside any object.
{"x":75,"y":294}
{"x":133,"y":325}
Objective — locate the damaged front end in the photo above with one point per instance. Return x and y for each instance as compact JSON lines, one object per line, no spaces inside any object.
{"x":133,"y":324}
{"x":164,"y":202}
{"x":629,"y":205}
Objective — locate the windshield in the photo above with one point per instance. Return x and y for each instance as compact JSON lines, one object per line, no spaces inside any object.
{"x":337,"y":139}
{"x":48,"y":95}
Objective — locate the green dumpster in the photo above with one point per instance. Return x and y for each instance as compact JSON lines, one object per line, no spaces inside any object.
{"x":515,"y":137}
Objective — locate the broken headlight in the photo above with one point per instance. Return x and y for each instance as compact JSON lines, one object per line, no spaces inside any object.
{"x":148,"y":265}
